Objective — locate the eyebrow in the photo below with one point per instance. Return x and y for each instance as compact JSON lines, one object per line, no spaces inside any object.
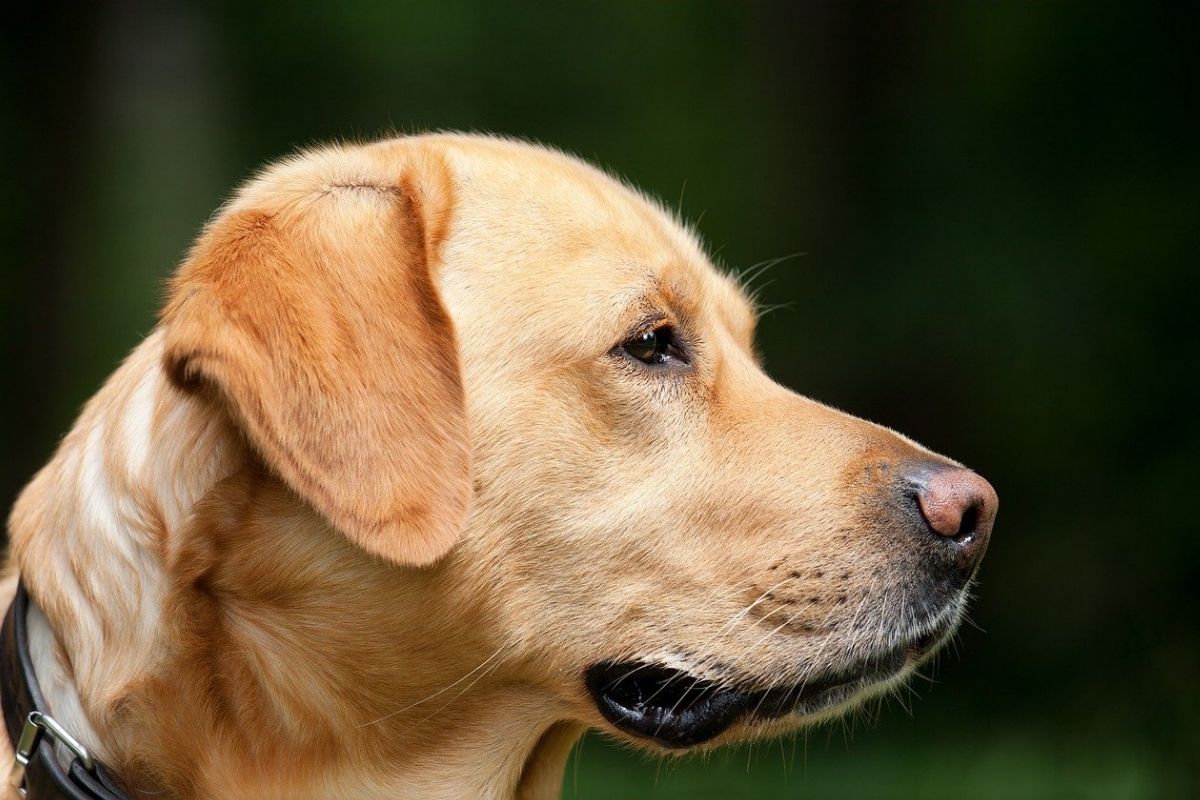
{"x":658,"y":300}
{"x":645,"y":300}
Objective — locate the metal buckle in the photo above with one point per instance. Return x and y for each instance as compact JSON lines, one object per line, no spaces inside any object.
{"x":36,"y":725}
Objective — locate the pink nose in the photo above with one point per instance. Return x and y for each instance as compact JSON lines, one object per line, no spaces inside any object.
{"x":961,"y":506}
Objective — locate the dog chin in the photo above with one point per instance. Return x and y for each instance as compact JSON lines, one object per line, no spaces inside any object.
{"x":661,"y":702}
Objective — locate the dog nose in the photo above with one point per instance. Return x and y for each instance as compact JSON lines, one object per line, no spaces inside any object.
{"x":958,"y":506}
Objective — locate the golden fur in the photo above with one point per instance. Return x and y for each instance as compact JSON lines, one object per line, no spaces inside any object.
{"x":353,"y":520}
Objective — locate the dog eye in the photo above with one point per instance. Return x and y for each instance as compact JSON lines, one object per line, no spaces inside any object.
{"x":655,"y":346}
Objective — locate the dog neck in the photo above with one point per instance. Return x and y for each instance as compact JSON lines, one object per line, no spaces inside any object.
{"x":208,"y":635}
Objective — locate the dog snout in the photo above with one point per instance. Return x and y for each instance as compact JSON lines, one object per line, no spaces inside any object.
{"x":957,"y":507}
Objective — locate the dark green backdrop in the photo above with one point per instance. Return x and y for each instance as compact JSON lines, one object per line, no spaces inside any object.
{"x":997,"y":210}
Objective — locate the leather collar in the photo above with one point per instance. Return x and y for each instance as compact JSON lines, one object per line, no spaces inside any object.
{"x":33,"y":732}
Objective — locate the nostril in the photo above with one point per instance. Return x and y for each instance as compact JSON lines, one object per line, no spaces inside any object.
{"x":955,"y":503}
{"x":956,"y":509}
{"x":970,"y":520}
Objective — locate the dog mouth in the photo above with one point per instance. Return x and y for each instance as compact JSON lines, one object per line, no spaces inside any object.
{"x":677,"y":709}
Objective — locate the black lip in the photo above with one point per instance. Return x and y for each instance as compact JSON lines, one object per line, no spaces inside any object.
{"x":660,"y":703}
{"x":677,"y":709}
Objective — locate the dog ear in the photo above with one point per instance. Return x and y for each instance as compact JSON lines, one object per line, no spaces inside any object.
{"x":309,"y":308}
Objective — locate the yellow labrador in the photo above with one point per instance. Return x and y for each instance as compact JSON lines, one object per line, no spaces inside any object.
{"x":445,"y":449}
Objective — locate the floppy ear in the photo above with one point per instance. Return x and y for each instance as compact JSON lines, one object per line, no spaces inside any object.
{"x":308,"y":306}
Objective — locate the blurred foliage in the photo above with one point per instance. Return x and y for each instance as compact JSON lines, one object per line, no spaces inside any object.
{"x":996,"y":207}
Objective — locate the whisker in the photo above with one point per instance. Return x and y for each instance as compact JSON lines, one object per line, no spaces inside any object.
{"x":449,"y":702}
{"x":727,"y":627}
{"x":747,"y":276}
{"x":441,"y":691}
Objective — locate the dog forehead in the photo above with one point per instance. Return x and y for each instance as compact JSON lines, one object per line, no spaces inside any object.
{"x":526,"y":199}
{"x":535,"y":232}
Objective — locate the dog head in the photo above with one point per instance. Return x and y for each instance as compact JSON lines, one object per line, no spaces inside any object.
{"x":491,"y":356}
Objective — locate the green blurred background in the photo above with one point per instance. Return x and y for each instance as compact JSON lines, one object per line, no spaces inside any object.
{"x":997,"y":207}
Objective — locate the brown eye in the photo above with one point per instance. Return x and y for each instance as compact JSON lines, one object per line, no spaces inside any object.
{"x":655,"y":346}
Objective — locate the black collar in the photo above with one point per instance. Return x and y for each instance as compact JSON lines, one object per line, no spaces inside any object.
{"x":32,"y":732}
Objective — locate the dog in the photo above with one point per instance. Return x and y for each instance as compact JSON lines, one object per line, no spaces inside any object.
{"x":445,"y":449}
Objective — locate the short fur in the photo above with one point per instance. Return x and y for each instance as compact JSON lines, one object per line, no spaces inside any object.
{"x":355,"y":518}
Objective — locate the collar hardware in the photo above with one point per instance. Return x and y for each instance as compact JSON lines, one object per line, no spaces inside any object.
{"x":37,"y":773}
{"x":37,"y":725}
